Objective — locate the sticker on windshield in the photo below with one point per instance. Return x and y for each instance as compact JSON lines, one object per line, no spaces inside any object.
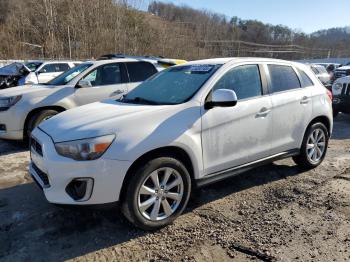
{"x":201,"y":68}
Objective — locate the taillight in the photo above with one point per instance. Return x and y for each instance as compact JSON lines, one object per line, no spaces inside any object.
{"x":330,"y":95}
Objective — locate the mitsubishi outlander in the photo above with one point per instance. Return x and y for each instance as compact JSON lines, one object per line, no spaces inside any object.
{"x":184,"y":127}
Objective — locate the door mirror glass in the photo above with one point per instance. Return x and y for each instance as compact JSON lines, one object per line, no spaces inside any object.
{"x":222,"y":98}
{"x":84,"y":83}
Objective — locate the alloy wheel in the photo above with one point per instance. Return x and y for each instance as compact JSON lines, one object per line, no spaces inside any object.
{"x":160,"y":194}
{"x":316,"y":145}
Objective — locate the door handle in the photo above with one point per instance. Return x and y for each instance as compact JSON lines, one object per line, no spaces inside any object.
{"x":118,"y":92}
{"x":263,"y":112}
{"x":305,"y":100}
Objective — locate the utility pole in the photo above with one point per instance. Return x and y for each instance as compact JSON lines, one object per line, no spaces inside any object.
{"x":70,"y":48}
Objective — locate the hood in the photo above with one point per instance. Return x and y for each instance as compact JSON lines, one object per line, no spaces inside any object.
{"x":102,"y":118}
{"x":14,"y":69}
{"x":27,"y":89}
{"x":345,"y":79}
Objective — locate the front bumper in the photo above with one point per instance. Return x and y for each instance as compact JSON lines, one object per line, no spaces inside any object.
{"x":13,"y":121}
{"x":107,"y":174}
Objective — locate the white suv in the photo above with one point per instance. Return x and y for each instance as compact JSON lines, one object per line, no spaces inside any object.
{"x":187,"y":126}
{"x":23,"y":108}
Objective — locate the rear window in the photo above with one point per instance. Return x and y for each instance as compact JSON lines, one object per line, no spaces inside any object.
{"x":62,"y":67}
{"x":305,"y":79}
{"x":140,"y":71}
{"x":314,"y":69}
{"x":321,"y":69}
{"x":52,"y":68}
{"x":283,"y":78}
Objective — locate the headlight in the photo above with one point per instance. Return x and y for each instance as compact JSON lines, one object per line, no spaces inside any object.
{"x":85,"y":149}
{"x":7,"y":102}
{"x":338,"y":86}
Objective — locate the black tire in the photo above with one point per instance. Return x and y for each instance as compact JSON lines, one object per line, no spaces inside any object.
{"x":302,"y":159}
{"x":129,"y":203}
{"x":39,"y":117}
{"x":335,"y":113}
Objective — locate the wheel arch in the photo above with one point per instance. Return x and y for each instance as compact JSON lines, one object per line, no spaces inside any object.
{"x":37,"y":110}
{"x":321,"y":119}
{"x":168,"y":151}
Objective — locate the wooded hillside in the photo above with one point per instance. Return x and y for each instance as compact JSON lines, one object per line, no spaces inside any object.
{"x":86,"y":29}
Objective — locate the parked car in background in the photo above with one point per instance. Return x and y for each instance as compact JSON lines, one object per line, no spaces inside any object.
{"x":342,"y":71}
{"x":23,"y":108}
{"x":13,"y":74}
{"x":188,"y":126}
{"x":330,"y":67}
{"x":322,"y":74}
{"x":160,"y":63}
{"x":33,"y":72}
{"x":341,"y":95}
{"x":46,"y":71}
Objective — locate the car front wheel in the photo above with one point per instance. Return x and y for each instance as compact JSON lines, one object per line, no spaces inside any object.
{"x":314,"y":146}
{"x":157,"y":193}
{"x":38,"y":118}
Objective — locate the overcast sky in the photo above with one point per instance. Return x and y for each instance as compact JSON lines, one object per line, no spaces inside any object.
{"x":305,"y":15}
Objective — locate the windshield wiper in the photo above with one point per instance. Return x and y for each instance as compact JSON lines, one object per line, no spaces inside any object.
{"x":139,"y":100}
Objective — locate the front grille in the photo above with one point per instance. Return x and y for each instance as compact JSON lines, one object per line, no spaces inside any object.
{"x":43,"y":176}
{"x":35,"y":145}
{"x":346,"y":89}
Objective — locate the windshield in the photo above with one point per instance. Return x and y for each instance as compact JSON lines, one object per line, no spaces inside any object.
{"x":32,"y":66}
{"x":67,"y":76}
{"x":174,"y":85}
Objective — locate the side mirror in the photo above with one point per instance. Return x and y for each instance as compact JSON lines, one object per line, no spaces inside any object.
{"x":222,"y":98}
{"x":84,"y":83}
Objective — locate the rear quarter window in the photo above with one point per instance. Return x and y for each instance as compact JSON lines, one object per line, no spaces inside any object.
{"x":305,"y":79}
{"x":140,"y":71}
{"x":283,"y":78}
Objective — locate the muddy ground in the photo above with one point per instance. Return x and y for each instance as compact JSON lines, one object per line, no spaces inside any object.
{"x":274,"y":213}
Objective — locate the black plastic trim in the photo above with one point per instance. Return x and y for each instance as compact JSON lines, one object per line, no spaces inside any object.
{"x":224,"y":174}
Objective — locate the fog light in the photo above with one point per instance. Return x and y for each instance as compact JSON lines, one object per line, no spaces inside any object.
{"x":2,"y":128}
{"x":80,"y":189}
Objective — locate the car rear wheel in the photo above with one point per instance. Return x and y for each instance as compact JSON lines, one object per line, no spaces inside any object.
{"x":157,"y":193}
{"x":38,"y":118}
{"x":314,"y":146}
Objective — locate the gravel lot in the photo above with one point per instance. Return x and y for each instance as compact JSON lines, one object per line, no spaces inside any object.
{"x":273,"y":213}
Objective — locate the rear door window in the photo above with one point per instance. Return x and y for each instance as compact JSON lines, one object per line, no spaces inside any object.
{"x":140,"y":71}
{"x":283,"y":78}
